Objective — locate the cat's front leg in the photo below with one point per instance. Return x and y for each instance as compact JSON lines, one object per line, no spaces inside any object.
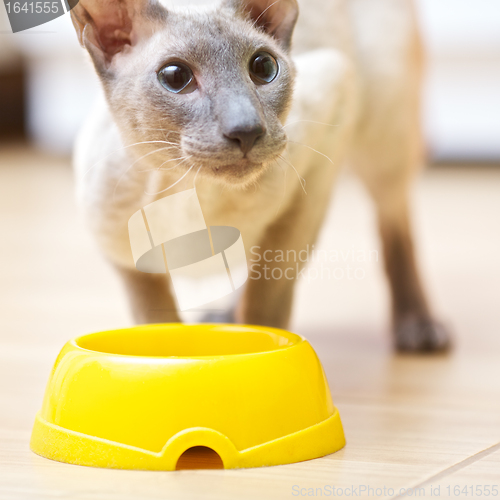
{"x":150,"y":296}
{"x":275,"y":263}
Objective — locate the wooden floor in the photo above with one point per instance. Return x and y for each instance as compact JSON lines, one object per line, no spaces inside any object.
{"x":415,"y":426}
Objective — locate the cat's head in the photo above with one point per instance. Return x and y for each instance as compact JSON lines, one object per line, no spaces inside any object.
{"x":214,"y":83}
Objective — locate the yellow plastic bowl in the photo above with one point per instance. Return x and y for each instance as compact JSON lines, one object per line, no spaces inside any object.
{"x":138,"y":398}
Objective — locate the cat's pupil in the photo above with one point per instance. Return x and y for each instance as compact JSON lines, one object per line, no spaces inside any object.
{"x":175,"y":77}
{"x":263,"y":68}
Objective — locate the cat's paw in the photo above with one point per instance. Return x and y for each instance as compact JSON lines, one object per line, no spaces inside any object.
{"x":421,"y":335}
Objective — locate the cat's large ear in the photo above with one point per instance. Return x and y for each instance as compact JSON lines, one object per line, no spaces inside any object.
{"x":276,"y":17}
{"x":106,"y":27}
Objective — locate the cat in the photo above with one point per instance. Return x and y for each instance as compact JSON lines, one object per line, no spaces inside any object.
{"x":203,"y":95}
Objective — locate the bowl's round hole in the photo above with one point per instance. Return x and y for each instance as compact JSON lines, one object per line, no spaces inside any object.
{"x":199,"y":457}
{"x":188,"y":340}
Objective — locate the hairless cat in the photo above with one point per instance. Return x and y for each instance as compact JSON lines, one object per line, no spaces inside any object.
{"x":204,"y":95}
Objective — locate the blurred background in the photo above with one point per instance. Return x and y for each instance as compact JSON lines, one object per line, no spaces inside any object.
{"x":46,"y":84}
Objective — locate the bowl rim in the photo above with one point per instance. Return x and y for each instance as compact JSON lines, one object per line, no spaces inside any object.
{"x":295,"y":339}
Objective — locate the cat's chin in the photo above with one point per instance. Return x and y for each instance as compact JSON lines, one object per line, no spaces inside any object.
{"x":240,"y":174}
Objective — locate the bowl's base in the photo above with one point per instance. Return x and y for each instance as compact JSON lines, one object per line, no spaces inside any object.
{"x":56,"y":443}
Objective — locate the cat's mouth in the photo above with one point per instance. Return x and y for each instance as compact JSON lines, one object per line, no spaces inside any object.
{"x":241,"y":171}
{"x":228,"y":163}
{"x":240,"y":165}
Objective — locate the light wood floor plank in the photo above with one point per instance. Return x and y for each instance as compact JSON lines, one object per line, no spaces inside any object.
{"x":407,"y":419}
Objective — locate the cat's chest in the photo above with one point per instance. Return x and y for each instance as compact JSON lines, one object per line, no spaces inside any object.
{"x":249,"y":210}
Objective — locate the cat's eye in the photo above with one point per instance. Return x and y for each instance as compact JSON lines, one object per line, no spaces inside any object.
{"x":177,"y":77}
{"x":263,"y":68}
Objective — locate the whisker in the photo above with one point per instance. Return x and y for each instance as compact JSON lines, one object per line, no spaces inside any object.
{"x":133,"y":163}
{"x":163,"y":169}
{"x":309,"y":121}
{"x":172,"y":185}
{"x":284,"y":188}
{"x":166,"y":133}
{"x":183,"y":159}
{"x":141,"y":128}
{"x":302,"y":181}
{"x":152,"y":128}
{"x":168,"y":161}
{"x":126,"y":147}
{"x":194,"y":180}
{"x":263,"y":12}
{"x":312,"y":149}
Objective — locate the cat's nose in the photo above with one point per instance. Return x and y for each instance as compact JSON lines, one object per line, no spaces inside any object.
{"x":246,"y":136}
